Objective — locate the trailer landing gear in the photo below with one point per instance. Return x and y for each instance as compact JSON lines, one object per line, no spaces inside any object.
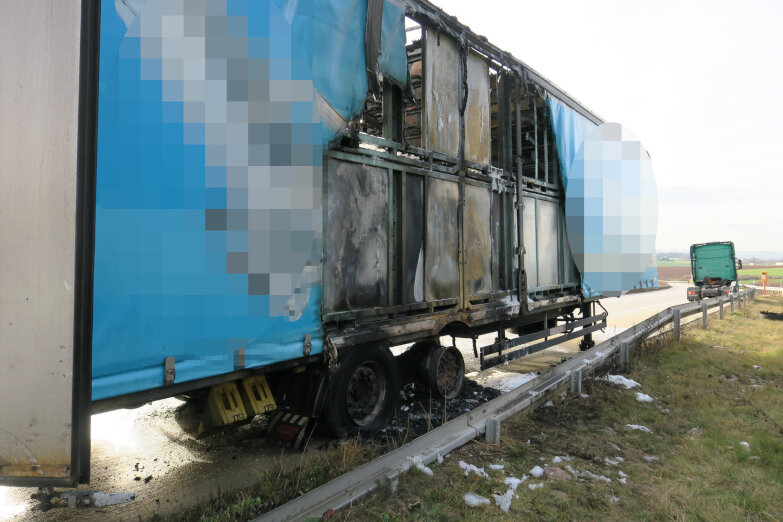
{"x":586,"y":343}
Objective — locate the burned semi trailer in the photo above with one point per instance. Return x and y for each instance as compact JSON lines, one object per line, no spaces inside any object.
{"x":284,"y":190}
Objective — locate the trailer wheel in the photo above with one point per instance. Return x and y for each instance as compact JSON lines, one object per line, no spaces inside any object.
{"x":363,"y":391}
{"x":446,"y":371}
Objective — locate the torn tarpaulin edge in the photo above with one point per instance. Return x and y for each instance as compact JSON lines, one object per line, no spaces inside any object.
{"x":392,"y":56}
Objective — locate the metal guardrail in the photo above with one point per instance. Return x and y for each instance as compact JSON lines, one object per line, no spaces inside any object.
{"x":382,"y":473}
{"x":771,"y":290}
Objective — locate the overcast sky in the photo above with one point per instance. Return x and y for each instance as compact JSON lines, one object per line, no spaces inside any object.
{"x":699,"y":82}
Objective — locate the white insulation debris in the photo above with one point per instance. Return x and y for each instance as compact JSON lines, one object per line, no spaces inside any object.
{"x":621,"y":381}
{"x":474,"y":500}
{"x":470,"y":468}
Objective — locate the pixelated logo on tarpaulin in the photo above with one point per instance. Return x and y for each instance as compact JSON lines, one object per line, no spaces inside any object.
{"x":611,"y":202}
{"x":260,"y":133}
{"x":612,"y":198}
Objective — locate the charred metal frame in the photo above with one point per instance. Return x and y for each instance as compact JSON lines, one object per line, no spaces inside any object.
{"x":525,"y":139}
{"x":568,"y":330}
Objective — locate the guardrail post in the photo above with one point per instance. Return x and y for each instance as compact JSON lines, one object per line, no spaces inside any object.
{"x":576,"y":381}
{"x":492,"y":431}
{"x":624,"y":356}
{"x":704,"y":315}
{"x":721,"y":307}
{"x":676,"y":320}
{"x":388,"y":485}
{"x":739,"y":302}
{"x":731,"y":303}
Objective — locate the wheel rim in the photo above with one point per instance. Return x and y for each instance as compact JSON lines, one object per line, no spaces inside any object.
{"x":448,"y":373}
{"x":366,"y":393}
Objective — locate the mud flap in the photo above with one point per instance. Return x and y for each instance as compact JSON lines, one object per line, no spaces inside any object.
{"x":289,"y":429}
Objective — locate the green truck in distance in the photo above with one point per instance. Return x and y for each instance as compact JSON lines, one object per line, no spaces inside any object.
{"x":713,"y":269}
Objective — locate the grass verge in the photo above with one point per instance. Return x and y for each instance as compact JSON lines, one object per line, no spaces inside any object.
{"x":713,"y":391}
{"x":279,"y":483}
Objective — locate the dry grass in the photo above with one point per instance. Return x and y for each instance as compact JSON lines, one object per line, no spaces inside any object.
{"x":279,"y":484}
{"x":707,"y":382}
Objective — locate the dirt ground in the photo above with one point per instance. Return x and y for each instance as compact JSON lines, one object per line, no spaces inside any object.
{"x":152,"y":451}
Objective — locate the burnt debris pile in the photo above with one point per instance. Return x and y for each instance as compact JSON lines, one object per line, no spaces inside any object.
{"x":420,"y":410}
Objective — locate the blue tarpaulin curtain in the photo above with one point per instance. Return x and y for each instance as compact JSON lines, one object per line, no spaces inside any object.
{"x":393,"y":59}
{"x":190,"y":147}
{"x":570,"y":128}
{"x":329,"y":37}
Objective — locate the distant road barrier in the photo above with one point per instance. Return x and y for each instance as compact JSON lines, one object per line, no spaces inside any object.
{"x":382,"y":473}
{"x":773,"y":290}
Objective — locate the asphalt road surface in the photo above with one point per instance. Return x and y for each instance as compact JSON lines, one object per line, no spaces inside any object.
{"x":152,"y":450}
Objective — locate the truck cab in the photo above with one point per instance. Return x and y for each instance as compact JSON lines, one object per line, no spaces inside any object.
{"x":713,"y":269}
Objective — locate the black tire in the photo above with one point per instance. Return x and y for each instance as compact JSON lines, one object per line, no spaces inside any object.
{"x":363,"y":391}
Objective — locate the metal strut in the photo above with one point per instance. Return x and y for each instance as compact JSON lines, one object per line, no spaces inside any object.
{"x":587,"y":341}
{"x":569,"y":330}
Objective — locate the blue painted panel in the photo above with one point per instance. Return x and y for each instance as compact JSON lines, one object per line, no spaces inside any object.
{"x":209,"y":205}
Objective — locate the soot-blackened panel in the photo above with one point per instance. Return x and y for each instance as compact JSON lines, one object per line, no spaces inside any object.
{"x":478,"y":240}
{"x":548,"y":243}
{"x":442,"y":239}
{"x":477,"y":111}
{"x":413,"y":277}
{"x":530,"y":241}
{"x":356,"y":269}
{"x":441,"y":97}
{"x":497,"y":230}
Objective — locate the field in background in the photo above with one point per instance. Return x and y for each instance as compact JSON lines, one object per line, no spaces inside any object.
{"x":674,"y":273}
{"x":671,"y":272}
{"x":753,"y":275}
{"x":714,"y":450}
